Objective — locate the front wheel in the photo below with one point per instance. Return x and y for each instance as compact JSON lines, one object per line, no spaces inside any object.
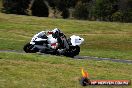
{"x":27,"y":48}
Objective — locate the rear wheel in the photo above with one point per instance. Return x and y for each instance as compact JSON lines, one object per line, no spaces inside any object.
{"x":73,"y":51}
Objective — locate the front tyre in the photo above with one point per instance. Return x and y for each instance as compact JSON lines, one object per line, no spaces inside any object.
{"x":27,"y":48}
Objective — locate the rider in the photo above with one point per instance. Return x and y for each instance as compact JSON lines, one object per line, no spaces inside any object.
{"x":56,"y":33}
{"x":43,"y":35}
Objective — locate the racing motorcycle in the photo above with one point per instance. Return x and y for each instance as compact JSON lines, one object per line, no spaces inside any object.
{"x":55,"y":45}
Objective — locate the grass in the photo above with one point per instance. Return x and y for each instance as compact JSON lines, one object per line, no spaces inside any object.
{"x":19,"y":70}
{"x":108,"y":45}
{"x":102,"y":39}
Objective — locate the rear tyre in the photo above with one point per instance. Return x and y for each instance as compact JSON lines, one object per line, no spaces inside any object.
{"x":73,"y":51}
{"x":76,"y":50}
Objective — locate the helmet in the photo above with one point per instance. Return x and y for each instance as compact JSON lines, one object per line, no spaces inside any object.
{"x":56,"y":33}
{"x":56,"y":30}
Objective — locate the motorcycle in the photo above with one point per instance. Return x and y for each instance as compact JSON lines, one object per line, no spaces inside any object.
{"x":55,"y":45}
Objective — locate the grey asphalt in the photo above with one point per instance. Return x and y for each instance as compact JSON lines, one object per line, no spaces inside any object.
{"x":84,"y":57}
{"x":105,"y":59}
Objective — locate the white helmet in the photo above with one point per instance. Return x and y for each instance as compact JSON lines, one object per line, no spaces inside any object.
{"x":56,"y":30}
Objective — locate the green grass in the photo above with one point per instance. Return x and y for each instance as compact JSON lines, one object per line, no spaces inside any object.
{"x":102,"y":39}
{"x":108,"y":45}
{"x":37,"y":71}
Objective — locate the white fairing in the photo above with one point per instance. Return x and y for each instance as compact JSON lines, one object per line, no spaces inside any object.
{"x":52,"y":42}
{"x":32,"y":41}
{"x":35,"y":38}
{"x":76,"y":40}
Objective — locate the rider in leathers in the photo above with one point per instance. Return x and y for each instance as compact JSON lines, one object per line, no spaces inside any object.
{"x":56,"y":33}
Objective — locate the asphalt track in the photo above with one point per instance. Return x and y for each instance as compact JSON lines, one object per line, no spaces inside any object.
{"x":83,"y":57}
